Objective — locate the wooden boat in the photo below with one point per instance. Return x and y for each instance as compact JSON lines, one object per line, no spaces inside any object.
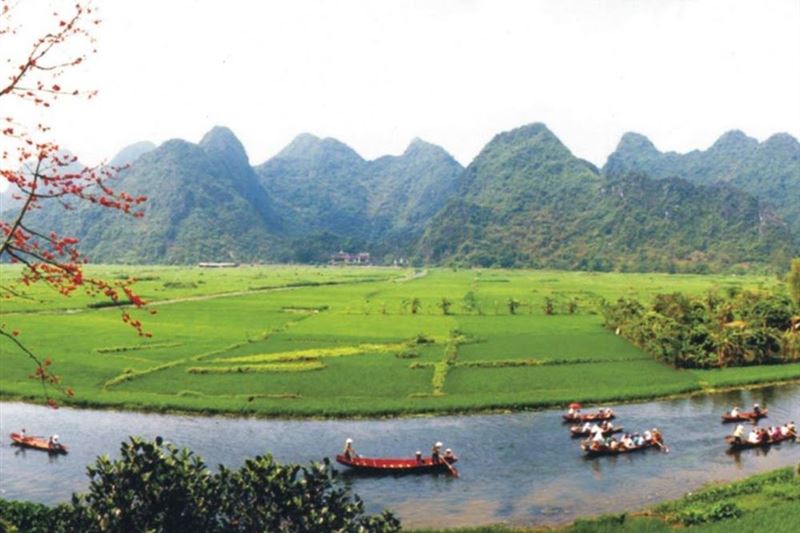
{"x":595,"y":417}
{"x":398,"y":466}
{"x":586,"y":446}
{"x":745,"y":416}
{"x":577,"y":431}
{"x":37,"y":443}
{"x":746,"y":444}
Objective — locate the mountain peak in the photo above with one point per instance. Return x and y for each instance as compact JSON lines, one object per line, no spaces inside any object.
{"x":417,"y":146}
{"x":632,"y":141}
{"x":309,"y":146}
{"x":734,"y":140}
{"x":131,"y":153}
{"x":221,"y":141}
{"x":783,"y":141}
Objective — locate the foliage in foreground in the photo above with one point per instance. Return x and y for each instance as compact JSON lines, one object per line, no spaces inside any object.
{"x":749,"y":328}
{"x":158,"y":487}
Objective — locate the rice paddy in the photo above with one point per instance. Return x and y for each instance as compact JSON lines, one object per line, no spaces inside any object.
{"x":307,"y":341}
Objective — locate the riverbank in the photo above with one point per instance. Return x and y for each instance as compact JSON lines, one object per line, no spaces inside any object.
{"x":764,"y":502}
{"x":353,"y":343}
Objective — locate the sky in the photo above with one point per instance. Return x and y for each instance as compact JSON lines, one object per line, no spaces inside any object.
{"x":377,"y":73}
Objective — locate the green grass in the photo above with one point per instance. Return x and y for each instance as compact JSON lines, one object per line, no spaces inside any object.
{"x":356,"y":347}
{"x":764,"y":502}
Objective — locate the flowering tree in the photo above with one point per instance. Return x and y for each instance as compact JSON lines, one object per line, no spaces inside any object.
{"x":39,"y":175}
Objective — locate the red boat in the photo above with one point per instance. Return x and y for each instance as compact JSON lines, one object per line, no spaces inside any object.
{"x":38,"y":443}
{"x":597,"y":452}
{"x":577,"y":431}
{"x":398,"y":466}
{"x":745,"y":416}
{"x":596,"y":417}
{"x":745,"y":444}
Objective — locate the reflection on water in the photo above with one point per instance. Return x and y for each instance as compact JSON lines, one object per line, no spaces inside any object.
{"x":520,"y":468}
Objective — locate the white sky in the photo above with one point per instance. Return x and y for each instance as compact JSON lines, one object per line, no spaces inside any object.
{"x":375,"y":74}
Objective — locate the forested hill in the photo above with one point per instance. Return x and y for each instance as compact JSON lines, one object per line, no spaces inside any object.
{"x":527,"y":201}
{"x":769,"y":170}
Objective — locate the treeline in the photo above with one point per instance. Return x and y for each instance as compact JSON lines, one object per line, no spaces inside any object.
{"x":713,"y":331}
{"x":157,"y":487}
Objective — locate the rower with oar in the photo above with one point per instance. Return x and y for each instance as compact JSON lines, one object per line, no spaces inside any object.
{"x":436,"y":458}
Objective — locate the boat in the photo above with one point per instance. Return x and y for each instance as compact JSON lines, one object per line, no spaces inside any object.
{"x":746,"y":444}
{"x":587,"y":448}
{"x":423,"y":465}
{"x":577,"y":431}
{"x":38,"y":443}
{"x":595,"y":417}
{"x":745,"y":416}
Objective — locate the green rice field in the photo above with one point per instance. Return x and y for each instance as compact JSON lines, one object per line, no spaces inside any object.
{"x":316,"y":341}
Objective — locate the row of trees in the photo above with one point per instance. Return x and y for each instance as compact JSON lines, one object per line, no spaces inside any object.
{"x":155,"y":486}
{"x":471,"y":305}
{"x":746,"y":328}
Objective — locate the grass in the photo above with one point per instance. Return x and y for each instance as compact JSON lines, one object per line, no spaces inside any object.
{"x":306,"y":341}
{"x":764,"y":502}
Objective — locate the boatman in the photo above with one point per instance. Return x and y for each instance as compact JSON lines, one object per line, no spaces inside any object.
{"x":349,"y":452}
{"x":436,"y":453}
{"x":756,"y":409}
{"x":22,"y":434}
{"x":735,"y":411}
{"x":448,"y":455}
{"x":738,"y":433}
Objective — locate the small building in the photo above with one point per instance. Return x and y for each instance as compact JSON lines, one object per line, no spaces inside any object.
{"x":208,"y":264}
{"x":346,"y":258}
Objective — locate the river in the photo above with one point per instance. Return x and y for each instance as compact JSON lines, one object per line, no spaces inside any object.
{"x":520,"y":468}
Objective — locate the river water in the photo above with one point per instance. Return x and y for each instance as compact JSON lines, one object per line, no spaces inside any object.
{"x":520,"y":468}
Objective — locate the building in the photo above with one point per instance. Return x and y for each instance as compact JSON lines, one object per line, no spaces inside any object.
{"x":346,"y":258}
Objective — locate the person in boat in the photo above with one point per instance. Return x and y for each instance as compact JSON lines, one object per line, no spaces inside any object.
{"x":648,"y":436}
{"x":349,"y":452}
{"x":419,"y":457}
{"x":763,"y":436}
{"x":448,"y":455}
{"x":22,"y":435}
{"x":627,"y":442}
{"x":735,"y":412}
{"x":775,"y":433}
{"x":756,"y":409}
{"x":656,"y":436}
{"x":791,"y":427}
{"x":598,"y":435}
{"x":738,"y":433}
{"x":753,"y":437}
{"x":53,"y":443}
{"x":638,"y":439}
{"x":436,"y":453}
{"x":607,"y":425}
{"x":588,"y":427}
{"x":573,"y":411}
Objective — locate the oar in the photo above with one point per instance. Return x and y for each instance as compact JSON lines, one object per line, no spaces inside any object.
{"x":450,"y":467}
{"x":663,"y":447}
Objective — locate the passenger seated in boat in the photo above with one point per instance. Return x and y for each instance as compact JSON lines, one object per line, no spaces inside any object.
{"x":419,"y":457}
{"x":573,"y":411}
{"x":22,"y":434}
{"x":436,"y":453}
{"x":738,"y":433}
{"x":627,"y":442}
{"x":756,"y":409}
{"x":638,"y":439}
{"x":349,"y":452}
{"x":448,"y":455}
{"x":735,"y":411}
{"x":613,"y":445}
{"x":763,"y":436}
{"x":753,"y":437}
{"x":588,"y":427}
{"x":775,"y":433}
{"x":598,"y":435}
{"x":792,"y":428}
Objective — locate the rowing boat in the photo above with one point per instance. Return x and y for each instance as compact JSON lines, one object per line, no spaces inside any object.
{"x":597,"y":452}
{"x":596,"y":417}
{"x":745,"y":416}
{"x":746,"y":444}
{"x":37,"y":443}
{"x":578,"y":431}
{"x":387,"y":465}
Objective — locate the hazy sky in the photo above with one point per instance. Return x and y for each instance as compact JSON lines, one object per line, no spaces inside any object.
{"x":375,"y":74}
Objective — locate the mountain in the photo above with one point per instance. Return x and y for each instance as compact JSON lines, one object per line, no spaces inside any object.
{"x":527,"y":201}
{"x":336,"y":199}
{"x":769,"y":170}
{"x":204,"y":204}
{"x":131,"y":153}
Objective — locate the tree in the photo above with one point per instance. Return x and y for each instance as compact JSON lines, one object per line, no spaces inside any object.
{"x":40,"y":175}
{"x":445,"y":305}
{"x":416,"y":305}
{"x":793,"y":279}
{"x":157,"y":487}
{"x":513,"y":305}
{"x":549,"y":307}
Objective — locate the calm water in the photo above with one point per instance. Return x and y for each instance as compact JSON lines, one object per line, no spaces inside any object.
{"x":518,"y":468}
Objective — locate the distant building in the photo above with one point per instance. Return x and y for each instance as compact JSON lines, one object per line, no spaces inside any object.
{"x":217,"y":265}
{"x":346,"y":258}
